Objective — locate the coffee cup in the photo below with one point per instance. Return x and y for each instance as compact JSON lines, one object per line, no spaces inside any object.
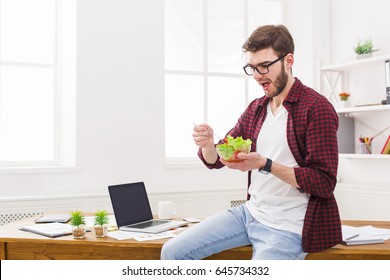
{"x":166,"y":210}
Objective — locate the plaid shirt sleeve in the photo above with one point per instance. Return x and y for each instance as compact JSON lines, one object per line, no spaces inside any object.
{"x":317,"y":150}
{"x":312,"y":137}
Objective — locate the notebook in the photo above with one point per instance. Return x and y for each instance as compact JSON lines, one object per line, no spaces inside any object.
{"x":49,"y":229}
{"x":132,"y":211}
{"x":54,"y":218}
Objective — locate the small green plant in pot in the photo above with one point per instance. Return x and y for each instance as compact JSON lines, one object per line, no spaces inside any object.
{"x":78,"y":223}
{"x":101,"y":221}
{"x":365,"y":48}
{"x":344,"y":96}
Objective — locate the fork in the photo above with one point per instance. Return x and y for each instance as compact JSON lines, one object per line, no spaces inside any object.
{"x":210,"y":132}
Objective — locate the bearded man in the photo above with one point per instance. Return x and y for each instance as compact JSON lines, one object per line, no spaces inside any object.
{"x":291,"y":208}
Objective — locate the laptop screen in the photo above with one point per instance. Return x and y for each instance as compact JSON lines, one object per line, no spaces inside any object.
{"x":130,"y":203}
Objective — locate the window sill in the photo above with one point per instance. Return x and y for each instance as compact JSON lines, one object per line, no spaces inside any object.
{"x":174,"y":163}
{"x":38,"y":169}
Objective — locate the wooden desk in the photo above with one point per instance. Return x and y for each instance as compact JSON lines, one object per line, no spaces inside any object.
{"x":356,"y":252}
{"x":16,"y":245}
{"x":20,"y":245}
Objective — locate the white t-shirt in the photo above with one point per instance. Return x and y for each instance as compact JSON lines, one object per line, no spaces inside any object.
{"x":273,"y":202}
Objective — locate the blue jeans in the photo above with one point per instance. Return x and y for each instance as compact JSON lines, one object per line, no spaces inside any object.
{"x":229,"y":229}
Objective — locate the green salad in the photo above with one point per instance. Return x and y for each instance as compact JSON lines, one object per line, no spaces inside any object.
{"x":232,"y":146}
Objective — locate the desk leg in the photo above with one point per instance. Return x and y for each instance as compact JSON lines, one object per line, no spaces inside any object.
{"x":2,"y":250}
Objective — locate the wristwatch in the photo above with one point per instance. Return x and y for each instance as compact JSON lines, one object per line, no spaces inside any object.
{"x":266,"y":168}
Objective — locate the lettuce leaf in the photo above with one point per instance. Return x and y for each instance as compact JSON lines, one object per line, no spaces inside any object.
{"x":232,"y":146}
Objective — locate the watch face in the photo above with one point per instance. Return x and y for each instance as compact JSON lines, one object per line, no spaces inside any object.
{"x":262,"y":171}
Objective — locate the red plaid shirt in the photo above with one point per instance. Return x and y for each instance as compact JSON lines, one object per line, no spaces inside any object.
{"x":312,"y":137}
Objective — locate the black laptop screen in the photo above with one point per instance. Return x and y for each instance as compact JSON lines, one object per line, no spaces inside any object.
{"x":130,"y":203}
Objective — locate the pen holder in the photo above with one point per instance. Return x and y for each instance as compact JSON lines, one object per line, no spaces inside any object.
{"x":365,"y":148}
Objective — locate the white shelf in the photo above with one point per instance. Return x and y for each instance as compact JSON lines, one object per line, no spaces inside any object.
{"x":355,"y":63}
{"x":363,"y":109}
{"x":361,"y":156}
{"x":340,"y":69}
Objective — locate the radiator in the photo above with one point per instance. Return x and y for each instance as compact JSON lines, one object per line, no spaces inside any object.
{"x":12,"y":217}
{"x":235,"y":203}
{"x":15,"y":209}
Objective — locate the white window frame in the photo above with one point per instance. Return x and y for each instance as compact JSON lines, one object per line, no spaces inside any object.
{"x":64,"y":113}
{"x":193,"y":162}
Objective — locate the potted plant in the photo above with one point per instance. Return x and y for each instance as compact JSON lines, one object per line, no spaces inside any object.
{"x":364,"y":49}
{"x":78,"y":222}
{"x":344,"y":96}
{"x":344,"y":99}
{"x":101,"y":223}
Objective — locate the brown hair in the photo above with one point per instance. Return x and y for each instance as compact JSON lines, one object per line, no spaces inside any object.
{"x":275,"y":36}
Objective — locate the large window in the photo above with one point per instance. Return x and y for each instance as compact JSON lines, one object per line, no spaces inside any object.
{"x":204,"y":79}
{"x":37,"y":82}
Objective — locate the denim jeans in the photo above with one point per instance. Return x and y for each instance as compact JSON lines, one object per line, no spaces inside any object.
{"x":229,"y":229}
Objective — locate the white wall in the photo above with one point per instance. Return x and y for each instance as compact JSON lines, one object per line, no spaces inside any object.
{"x":301,"y":28}
{"x":120,"y":112}
{"x":364,"y":189}
{"x":358,"y":19}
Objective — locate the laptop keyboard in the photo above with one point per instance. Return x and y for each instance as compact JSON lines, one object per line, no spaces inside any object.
{"x":149,"y":224}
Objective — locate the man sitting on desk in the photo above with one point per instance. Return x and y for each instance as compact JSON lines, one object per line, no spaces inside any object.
{"x":292,"y":171}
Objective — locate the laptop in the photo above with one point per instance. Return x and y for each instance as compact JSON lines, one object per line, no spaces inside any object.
{"x":132,"y":211}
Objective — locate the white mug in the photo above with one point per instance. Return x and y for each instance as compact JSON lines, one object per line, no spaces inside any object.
{"x":166,"y":210}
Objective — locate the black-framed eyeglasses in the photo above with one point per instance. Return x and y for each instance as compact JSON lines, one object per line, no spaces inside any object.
{"x":261,"y":68}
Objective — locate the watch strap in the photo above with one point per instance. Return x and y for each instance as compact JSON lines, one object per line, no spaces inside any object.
{"x":267,"y":167}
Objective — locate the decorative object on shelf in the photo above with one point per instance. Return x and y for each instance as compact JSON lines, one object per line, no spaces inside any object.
{"x":101,"y":223}
{"x":78,"y":222}
{"x":365,"y":145}
{"x":386,"y":147}
{"x":369,"y":116}
{"x":364,"y":49}
{"x":387,"y":73}
{"x":344,"y":96}
{"x":344,"y":99}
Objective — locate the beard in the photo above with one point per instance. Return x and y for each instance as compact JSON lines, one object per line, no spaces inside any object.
{"x":280,"y":83}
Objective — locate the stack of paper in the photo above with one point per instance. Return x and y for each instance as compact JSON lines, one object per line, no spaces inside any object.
{"x":142,"y":236}
{"x":49,"y":229}
{"x":364,"y":235}
{"x":54,"y":218}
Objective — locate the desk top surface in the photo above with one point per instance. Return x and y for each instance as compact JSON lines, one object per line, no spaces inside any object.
{"x":11,"y":233}
{"x":383,"y":247}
